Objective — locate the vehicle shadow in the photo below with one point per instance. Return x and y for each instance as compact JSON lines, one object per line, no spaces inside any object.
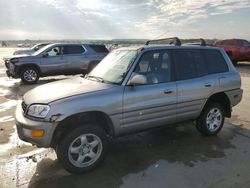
{"x":135,"y":153}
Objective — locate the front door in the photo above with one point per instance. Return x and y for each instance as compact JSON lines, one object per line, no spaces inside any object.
{"x":53,"y":62}
{"x":153,"y":103}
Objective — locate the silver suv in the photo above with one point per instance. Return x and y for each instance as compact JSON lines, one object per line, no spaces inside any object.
{"x":131,"y":90}
{"x":55,"y":59}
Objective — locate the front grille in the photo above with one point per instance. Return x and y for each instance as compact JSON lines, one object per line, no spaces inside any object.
{"x":24,"y":106}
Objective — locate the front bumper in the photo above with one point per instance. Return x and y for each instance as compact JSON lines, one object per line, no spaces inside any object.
{"x":25,"y":126}
{"x":11,"y":70}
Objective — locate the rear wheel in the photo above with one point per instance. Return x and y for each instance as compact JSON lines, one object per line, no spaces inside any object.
{"x":82,"y":149}
{"x":211,"y":120}
{"x":29,"y":75}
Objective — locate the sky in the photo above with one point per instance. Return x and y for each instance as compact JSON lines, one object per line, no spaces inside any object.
{"x":124,"y":19}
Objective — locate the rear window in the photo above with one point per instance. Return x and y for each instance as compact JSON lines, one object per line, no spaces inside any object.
{"x":215,"y":62}
{"x":73,"y":49}
{"x":99,"y":48}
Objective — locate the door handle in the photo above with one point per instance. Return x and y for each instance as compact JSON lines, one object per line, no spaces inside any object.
{"x":168,"y":91}
{"x":208,"y":85}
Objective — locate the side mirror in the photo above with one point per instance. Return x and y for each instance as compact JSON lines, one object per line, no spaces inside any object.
{"x":137,"y":79}
{"x":45,"y":55}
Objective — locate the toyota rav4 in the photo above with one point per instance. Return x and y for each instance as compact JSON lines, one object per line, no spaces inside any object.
{"x":131,"y":90}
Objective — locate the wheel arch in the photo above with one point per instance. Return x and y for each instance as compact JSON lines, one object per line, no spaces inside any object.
{"x":97,"y":117}
{"x":21,"y":67}
{"x":222,"y":99}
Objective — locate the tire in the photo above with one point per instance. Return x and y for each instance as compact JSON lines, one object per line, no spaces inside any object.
{"x":29,"y":75}
{"x":87,"y":143}
{"x":211,"y":120}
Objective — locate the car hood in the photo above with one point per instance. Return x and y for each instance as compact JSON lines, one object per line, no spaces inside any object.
{"x":24,"y":52}
{"x":16,"y":57}
{"x":51,"y":92}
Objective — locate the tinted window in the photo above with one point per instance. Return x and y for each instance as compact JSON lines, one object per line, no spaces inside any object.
{"x":200,"y":62}
{"x":99,"y":48}
{"x":246,"y":44}
{"x":228,"y":42}
{"x":73,"y":49}
{"x":239,"y":43}
{"x":215,"y":62}
{"x":185,"y":65}
{"x":156,"y":66}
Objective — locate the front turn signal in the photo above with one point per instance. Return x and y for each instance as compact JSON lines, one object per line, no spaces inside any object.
{"x":37,"y":133}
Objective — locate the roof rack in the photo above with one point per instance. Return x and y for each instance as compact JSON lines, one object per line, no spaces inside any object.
{"x":174,"y":40}
{"x":201,"y":43}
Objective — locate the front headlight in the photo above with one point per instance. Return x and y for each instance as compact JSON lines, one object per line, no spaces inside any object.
{"x":38,"y":110}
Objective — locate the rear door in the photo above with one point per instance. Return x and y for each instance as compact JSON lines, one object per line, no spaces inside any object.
{"x":76,"y":58}
{"x":53,"y":62}
{"x":194,"y":84}
{"x":153,"y":103}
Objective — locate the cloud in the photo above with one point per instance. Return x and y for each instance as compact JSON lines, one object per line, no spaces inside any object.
{"x":117,"y":19}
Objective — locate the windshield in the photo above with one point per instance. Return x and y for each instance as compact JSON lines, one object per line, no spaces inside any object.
{"x":39,"y":46}
{"x":33,"y":47}
{"x":41,"y":50}
{"x":114,"y":67}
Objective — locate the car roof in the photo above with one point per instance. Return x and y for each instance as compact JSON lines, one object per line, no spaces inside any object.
{"x":76,"y":44}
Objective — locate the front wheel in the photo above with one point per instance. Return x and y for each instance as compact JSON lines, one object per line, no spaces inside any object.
{"x":82,"y":149}
{"x":211,"y":120}
{"x":29,"y":75}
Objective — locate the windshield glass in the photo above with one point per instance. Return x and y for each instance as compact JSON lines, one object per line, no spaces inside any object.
{"x":114,"y":67}
{"x":41,"y":50}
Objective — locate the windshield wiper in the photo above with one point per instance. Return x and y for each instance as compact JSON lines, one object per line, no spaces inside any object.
{"x":100,"y":79}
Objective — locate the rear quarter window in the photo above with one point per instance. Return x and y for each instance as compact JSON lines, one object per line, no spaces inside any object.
{"x":215,"y":62}
{"x":99,"y":48}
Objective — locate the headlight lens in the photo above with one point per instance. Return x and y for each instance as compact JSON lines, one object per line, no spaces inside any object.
{"x":38,"y":110}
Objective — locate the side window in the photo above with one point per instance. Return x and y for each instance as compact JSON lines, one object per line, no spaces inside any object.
{"x":185,"y":65}
{"x":55,"y":51}
{"x":156,"y":66}
{"x":228,"y":42}
{"x":239,"y":43}
{"x":216,"y":62}
{"x":72,"y":49}
{"x":200,"y":62}
{"x":246,"y":44}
